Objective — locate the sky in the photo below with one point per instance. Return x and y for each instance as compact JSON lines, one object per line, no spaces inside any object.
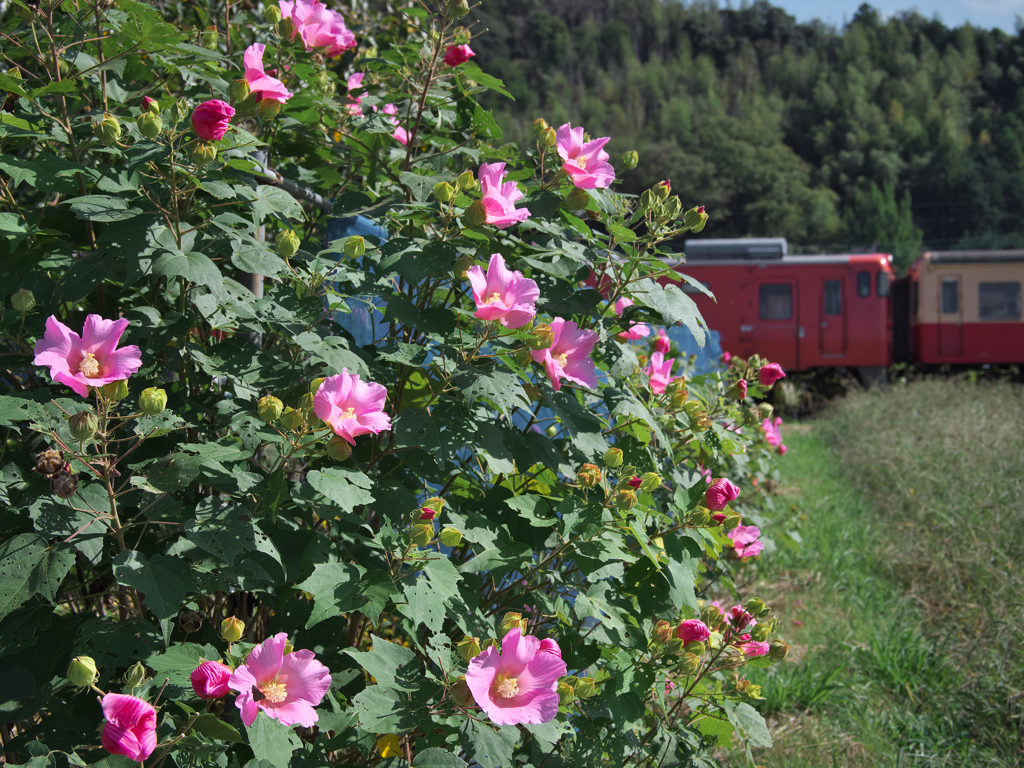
{"x":981,"y":13}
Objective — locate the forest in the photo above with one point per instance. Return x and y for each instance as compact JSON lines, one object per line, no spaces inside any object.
{"x":892,"y":134}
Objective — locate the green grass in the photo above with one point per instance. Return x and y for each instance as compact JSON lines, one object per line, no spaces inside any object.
{"x":904,"y":606}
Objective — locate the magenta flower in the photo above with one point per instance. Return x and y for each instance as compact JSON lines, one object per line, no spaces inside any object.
{"x":427,"y":514}
{"x":288,"y":685}
{"x":210,"y":120}
{"x":130,"y":729}
{"x":746,"y":540}
{"x":659,"y":372}
{"x":355,"y":80}
{"x":635,"y":331}
{"x":771,"y":433}
{"x":669,"y":686}
{"x":499,"y":198}
{"x":259,"y":81}
{"x":503,"y":295}
{"x":586,"y":163}
{"x":770,"y":373}
{"x":662,"y":343}
{"x":782,"y":449}
{"x":693,"y":631}
{"x":719,"y":494}
{"x":635,"y":482}
{"x":753,"y":647}
{"x":520,"y":685}
{"x":89,"y":360}
{"x":457,"y":55}
{"x":547,"y":645}
{"x":400,"y":135}
{"x":569,"y":356}
{"x":318,"y":26}
{"x":726,"y":357}
{"x":148,"y":104}
{"x":739,"y":618}
{"x":210,"y":679}
{"x":352,"y":407}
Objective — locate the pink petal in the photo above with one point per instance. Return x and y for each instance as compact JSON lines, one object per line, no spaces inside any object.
{"x":569,"y":141}
{"x":304,"y":677}
{"x":518,"y":316}
{"x":478,"y":280}
{"x":100,"y":337}
{"x":516,"y":651}
{"x":542,"y":707}
{"x":297,"y":712}
{"x":252,"y":59}
{"x":265,"y":660}
{"x":122,"y":363}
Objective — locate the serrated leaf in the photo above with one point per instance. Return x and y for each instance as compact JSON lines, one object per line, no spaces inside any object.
{"x":348,"y":488}
{"x":212,"y":727}
{"x":438,"y":758}
{"x":164,"y":580}
{"x":335,"y":589}
{"x":194,"y":267}
{"x":272,"y":741}
{"x":30,"y":566}
{"x":385,"y":661}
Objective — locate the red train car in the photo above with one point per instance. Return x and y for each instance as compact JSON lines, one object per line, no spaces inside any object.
{"x":965,"y":307}
{"x":802,"y":312}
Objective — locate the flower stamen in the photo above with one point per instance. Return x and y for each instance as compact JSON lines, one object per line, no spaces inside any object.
{"x":348,"y":413}
{"x":562,"y":359}
{"x":495,"y":297}
{"x":508,"y":688}
{"x":90,"y":366}
{"x":274,"y":692}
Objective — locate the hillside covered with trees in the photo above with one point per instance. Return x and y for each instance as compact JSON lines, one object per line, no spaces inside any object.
{"x":833,"y":138}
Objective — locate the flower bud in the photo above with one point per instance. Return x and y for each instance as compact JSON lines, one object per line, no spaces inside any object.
{"x":286,"y":29}
{"x":461,"y":694}
{"x":761,"y":632}
{"x":647,"y":200}
{"x":630,"y":159}
{"x":661,"y":632}
{"x":49,"y":462}
{"x":539,"y":126}
{"x":649,"y":481}
{"x":210,"y":39}
{"x":116,"y":390}
{"x":190,"y":621}
{"x":577,"y":199}
{"x":136,"y":675}
{"x":83,"y":425}
{"x":589,"y":476}
{"x":778,"y":650}
{"x":203,"y":153}
{"x":179,"y":111}
{"x":82,"y":671}
{"x":695,"y":647}
{"x":672,"y":208}
{"x":751,"y":416}
{"x":757,"y":608}
{"x":468,"y":648}
{"x":239,"y":89}
{"x":466,"y":180}
{"x":678,"y":399}
{"x":700,"y":517}
{"x":107,"y":129}
{"x":700,"y":421}
{"x":443,"y":192}
{"x":149,"y":125}
{"x":338,"y":448}
{"x":64,"y":484}
{"x":712,"y":617}
{"x":450,"y":537}
{"x":612,"y":458}
{"x":268,"y":109}
{"x":732,"y":520}
{"x":458,"y":8}
{"x":462,"y":265}
{"x":548,"y":137}
{"x":354,"y":247}
{"x":421,"y":534}
{"x":566,"y":695}
{"x":475,"y":215}
{"x":662,"y":190}
{"x":585,"y":687}
{"x":695,"y":219}
{"x":287,"y":243}
{"x":152,"y":401}
{"x":512,"y":620}
{"x":691,"y":663}
{"x":765,"y":410}
{"x":737,"y":391}
{"x":272,"y":14}
{"x":627,"y":471}
{"x":269,"y":408}
{"x":693,"y":631}
{"x":23,"y":300}
{"x":541,"y":337}
{"x":292,"y":419}
{"x":232,"y":629}
{"x":625,"y":499}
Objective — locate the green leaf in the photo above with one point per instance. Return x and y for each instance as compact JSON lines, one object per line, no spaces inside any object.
{"x":437,"y":758}
{"x":478,"y":76}
{"x":673,"y":305}
{"x":336,"y":590}
{"x":748,"y":721}
{"x":30,"y":566}
{"x":223,"y":531}
{"x":102,"y":208}
{"x":268,"y":199}
{"x":502,"y":388}
{"x":622,"y":234}
{"x":212,"y":727}
{"x":489,"y":748}
{"x":385,"y":661}
{"x":164,"y":580}
{"x":423,"y":604}
{"x":348,"y":488}
{"x":272,"y":741}
{"x":83,"y":276}
{"x":8,"y":83}
{"x":174,"y":472}
{"x":194,"y":267}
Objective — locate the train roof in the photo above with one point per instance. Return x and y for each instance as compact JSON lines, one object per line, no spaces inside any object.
{"x":974,"y":257}
{"x":783,"y":261}
{"x":763,"y":251}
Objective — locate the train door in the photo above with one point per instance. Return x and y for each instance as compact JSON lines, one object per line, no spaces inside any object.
{"x":778,"y":329}
{"x":951,"y":317}
{"x":832,"y":319}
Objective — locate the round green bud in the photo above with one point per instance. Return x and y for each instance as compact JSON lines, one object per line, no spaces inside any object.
{"x":149,"y":125}
{"x":287,"y":243}
{"x":286,"y":29}
{"x":107,"y":129}
{"x":338,"y":448}
{"x":269,"y":408}
{"x":203,"y":153}
{"x":765,"y":410}
{"x":314,"y":385}
{"x":690,"y":663}
{"x":268,"y":109}
{"x":83,"y":425}
{"x":732,"y":520}
{"x":694,"y":647}
{"x":585,"y":687}
{"x":566,"y":695}
{"x":179,"y":111}
{"x":292,"y":419}
{"x":695,"y":218}
{"x":443,"y":192}
{"x":239,"y":89}
{"x":421,"y":534}
{"x":461,"y":694}
{"x":613,"y":458}
{"x":466,"y":180}
{"x":757,"y":608}
{"x":589,"y":476}
{"x":475,"y":215}
{"x":649,"y":481}
{"x":662,"y":190}
{"x":136,"y":675}
{"x":751,"y":417}
{"x":647,"y":200}
{"x":625,"y":499}
{"x":674,"y":647}
{"x":210,"y":39}
{"x":778,"y":650}
{"x":761,"y":632}
{"x":23,"y":300}
{"x":354,"y":247}
{"x":700,"y":516}
{"x":116,"y":390}
{"x":673,"y":207}
{"x":82,"y":671}
{"x":458,"y":8}
{"x":152,"y":401}
{"x":272,"y":14}
{"x":662,"y":632}
{"x":512,"y":620}
{"x":548,"y":137}
{"x":630,"y":159}
{"x":539,"y":126}
{"x":232,"y":629}
{"x":468,"y":648}
{"x":577,"y":199}
{"x":450,"y":537}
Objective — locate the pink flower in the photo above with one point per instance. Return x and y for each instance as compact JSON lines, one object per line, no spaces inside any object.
{"x":738,"y":618}
{"x":693,"y":631}
{"x":771,"y":373}
{"x":130,"y":729}
{"x":458,"y":54}
{"x":547,"y":645}
{"x":662,"y":343}
{"x":771,"y":433}
{"x":753,"y":647}
{"x":569,"y":356}
{"x":669,"y":686}
{"x":745,"y":540}
{"x":427,"y":514}
{"x":586,"y":163}
{"x":718,"y":517}
{"x":318,"y":26}
{"x":665,"y":185}
{"x":210,"y":680}
{"x":258,"y":80}
{"x":89,"y":360}
{"x":210,"y":120}
{"x":289,"y":686}
{"x":148,"y":103}
{"x":719,"y":494}
{"x":782,"y":449}
{"x":355,"y":80}
{"x":352,"y":407}
{"x":659,"y":372}
{"x":726,"y":357}
{"x":503,"y":295}
{"x":400,"y":135}
{"x":499,"y":198}
{"x":637,"y":330}
{"x":635,"y":483}
{"x":520,"y":685}
{"x":738,"y":390}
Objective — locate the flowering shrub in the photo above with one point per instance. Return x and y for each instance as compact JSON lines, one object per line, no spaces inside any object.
{"x":284,"y":496}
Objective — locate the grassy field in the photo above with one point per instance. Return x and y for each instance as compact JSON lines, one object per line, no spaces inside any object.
{"x":904,"y":606}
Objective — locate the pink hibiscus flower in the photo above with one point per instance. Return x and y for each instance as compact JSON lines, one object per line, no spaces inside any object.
{"x":569,"y":356}
{"x":586,"y":163}
{"x":211,"y":119}
{"x":130,"y":729}
{"x":782,"y":449}
{"x":89,"y":360}
{"x":210,"y":679}
{"x":770,"y":373}
{"x":659,"y":372}
{"x":635,"y":331}
{"x":457,"y":55}
{"x":355,"y":80}
{"x":499,"y":198}
{"x":258,"y":80}
{"x":519,"y":685}
{"x":400,"y":135}
{"x":693,"y":631}
{"x":662,"y":343}
{"x":547,"y":645}
{"x":752,"y":647}
{"x":318,"y":26}
{"x":503,"y":295}
{"x":719,"y":494}
{"x":771,"y":433}
{"x":746,"y":540}
{"x":352,"y":407}
{"x":285,"y":687}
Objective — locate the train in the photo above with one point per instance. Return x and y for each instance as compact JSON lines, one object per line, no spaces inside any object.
{"x":851,"y":311}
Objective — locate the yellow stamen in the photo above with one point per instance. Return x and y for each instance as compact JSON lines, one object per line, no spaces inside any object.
{"x":274,"y":692}
{"x":562,"y":359}
{"x":89,"y":366}
{"x":508,"y":688}
{"x":495,"y":297}
{"x":348,"y":413}
{"x":581,"y":162}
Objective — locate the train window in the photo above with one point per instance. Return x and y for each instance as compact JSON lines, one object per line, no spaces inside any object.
{"x":863,"y":284}
{"x":999,"y":301}
{"x":950,"y":296}
{"x":776,"y":301}
{"x":882,"y":284}
{"x":833,"y":297}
